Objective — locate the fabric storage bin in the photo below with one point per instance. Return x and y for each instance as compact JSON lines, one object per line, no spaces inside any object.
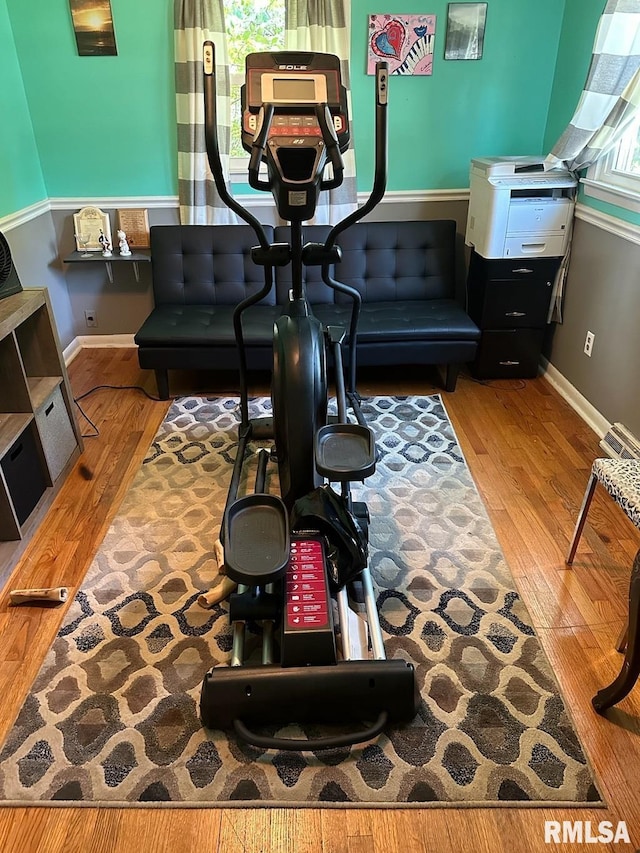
{"x":56,"y":433}
{"x":24,"y":474}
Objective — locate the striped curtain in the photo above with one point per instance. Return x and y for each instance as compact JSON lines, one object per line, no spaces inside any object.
{"x":325,"y":26}
{"x":195,"y":21}
{"x":609,"y":102}
{"x":611,"y":96}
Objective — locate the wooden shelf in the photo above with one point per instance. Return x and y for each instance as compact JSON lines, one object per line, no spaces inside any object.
{"x":36,"y":416}
{"x":41,"y":388}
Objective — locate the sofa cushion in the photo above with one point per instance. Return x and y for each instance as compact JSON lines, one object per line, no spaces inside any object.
{"x":384,"y":261}
{"x":195,"y":325}
{"x":428,"y":320}
{"x":205,"y":265}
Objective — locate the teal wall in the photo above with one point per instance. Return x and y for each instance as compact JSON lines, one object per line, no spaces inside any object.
{"x":492,"y":106}
{"x":105,"y":126}
{"x":21,"y":181}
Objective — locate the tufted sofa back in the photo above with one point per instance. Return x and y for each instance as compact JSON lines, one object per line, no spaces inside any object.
{"x":384,"y":261}
{"x":205,"y":264}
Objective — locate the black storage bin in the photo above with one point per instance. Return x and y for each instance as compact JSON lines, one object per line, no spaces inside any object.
{"x":24,"y":475}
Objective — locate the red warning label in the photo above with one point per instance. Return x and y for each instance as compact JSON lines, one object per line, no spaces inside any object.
{"x":306,"y":592}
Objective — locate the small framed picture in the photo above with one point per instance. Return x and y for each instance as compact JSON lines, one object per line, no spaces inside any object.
{"x":91,"y":228}
{"x":134,"y":221}
{"x":93,"y":27}
{"x":465,"y":30}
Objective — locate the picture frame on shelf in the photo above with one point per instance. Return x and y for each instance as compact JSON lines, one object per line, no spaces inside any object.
{"x":134,"y":221}
{"x":89,"y":225}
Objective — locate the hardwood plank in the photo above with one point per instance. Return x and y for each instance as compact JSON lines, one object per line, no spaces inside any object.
{"x":530,"y":456}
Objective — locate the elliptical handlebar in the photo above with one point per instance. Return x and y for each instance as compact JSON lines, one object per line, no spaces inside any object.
{"x":330,"y":137}
{"x":377,"y":192}
{"x":380,"y":171}
{"x":213,"y":150}
{"x":257,"y":149}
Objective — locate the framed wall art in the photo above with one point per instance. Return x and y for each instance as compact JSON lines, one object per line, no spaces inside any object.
{"x":93,"y":27}
{"x":465,"y":30}
{"x":91,"y":228}
{"x":404,"y":41}
{"x":135,"y":224}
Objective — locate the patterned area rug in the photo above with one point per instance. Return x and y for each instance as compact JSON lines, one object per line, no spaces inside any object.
{"x":113,"y":715}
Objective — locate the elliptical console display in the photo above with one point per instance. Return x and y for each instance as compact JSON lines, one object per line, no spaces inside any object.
{"x":293,"y":82}
{"x":294,"y":118}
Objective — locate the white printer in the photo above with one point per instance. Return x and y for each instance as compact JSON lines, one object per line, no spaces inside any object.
{"x":517,"y":209}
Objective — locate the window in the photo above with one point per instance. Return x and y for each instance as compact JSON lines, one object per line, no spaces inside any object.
{"x":252,"y":25}
{"x":616,"y":176}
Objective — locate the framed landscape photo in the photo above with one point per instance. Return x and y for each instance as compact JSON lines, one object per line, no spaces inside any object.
{"x":93,"y":27}
{"x":465,"y":30}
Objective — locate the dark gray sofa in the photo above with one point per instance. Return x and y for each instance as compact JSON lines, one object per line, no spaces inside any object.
{"x":405,"y":273}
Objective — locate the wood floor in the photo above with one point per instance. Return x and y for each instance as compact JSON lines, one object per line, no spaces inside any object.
{"x":530,"y":455}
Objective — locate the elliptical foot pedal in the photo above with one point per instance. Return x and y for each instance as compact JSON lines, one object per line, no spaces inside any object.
{"x":256,"y":539}
{"x":345,"y":452}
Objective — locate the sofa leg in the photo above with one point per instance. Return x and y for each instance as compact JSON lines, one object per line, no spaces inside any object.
{"x":162,"y":381}
{"x":452,"y":377}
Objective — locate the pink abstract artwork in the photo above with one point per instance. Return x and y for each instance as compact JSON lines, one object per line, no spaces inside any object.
{"x":404,"y":41}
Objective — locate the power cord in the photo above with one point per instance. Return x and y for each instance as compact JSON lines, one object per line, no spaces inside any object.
{"x":492,"y":383}
{"x":96,"y":431}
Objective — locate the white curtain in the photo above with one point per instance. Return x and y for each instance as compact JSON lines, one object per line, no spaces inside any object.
{"x":608,"y":104}
{"x":325,"y":26}
{"x":195,"y":21}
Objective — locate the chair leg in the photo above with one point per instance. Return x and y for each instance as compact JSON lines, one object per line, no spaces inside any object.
{"x":630,"y":671}
{"x":623,"y":637}
{"x":582,"y":517}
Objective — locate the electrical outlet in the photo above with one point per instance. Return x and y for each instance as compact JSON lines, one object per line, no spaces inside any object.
{"x":588,"y":343}
{"x":90,"y":318}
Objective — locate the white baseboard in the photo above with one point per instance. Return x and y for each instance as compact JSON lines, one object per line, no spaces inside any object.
{"x":88,"y":341}
{"x":598,"y":423}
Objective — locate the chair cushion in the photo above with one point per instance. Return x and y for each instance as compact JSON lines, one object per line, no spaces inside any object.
{"x":621,"y":478}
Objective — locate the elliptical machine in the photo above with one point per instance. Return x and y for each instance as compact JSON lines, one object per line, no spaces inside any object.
{"x":290,"y":554}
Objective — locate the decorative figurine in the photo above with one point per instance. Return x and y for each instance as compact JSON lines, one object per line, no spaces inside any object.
{"x":106,"y":245}
{"x":124,"y":246}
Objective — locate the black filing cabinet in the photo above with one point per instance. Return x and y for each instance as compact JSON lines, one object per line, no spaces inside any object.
{"x":509,"y":301}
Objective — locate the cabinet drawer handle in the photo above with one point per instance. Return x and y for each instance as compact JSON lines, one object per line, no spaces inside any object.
{"x":48,"y":410}
{"x":522,"y":270}
{"x":508,"y":363}
{"x":515,"y":314}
